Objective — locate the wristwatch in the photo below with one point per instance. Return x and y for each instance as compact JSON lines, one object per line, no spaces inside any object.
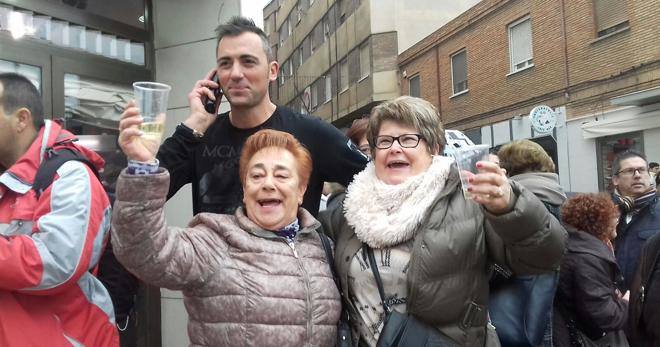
{"x":188,"y":130}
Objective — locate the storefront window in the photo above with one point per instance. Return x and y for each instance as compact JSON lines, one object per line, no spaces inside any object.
{"x":130,"y":12}
{"x":92,"y":109}
{"x":33,"y":73}
{"x":608,"y":148}
{"x":93,"y":106}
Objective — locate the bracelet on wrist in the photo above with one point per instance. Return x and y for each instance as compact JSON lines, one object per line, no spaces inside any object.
{"x":142,"y":168}
{"x":196,"y":134}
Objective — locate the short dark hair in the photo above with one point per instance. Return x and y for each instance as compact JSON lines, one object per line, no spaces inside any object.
{"x":19,"y":92}
{"x":653,"y":165}
{"x":238,"y":25}
{"x":616,"y":163}
{"x":358,"y":130}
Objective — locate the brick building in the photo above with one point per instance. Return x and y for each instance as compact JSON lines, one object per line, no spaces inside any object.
{"x":596,"y":62}
{"x":338,"y":57}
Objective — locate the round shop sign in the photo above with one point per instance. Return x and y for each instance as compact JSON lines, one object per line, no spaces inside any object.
{"x":543,"y":119}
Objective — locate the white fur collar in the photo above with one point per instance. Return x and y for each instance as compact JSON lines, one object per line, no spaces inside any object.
{"x":385,"y":215}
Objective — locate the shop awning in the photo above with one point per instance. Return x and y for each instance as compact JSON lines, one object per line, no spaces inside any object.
{"x":622,"y":121}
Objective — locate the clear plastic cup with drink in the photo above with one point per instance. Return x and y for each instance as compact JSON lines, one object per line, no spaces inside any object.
{"x":151,"y":99}
{"x":466,"y":160}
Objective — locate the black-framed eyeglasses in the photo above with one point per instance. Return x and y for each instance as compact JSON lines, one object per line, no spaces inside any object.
{"x":632,"y":170}
{"x":405,"y":141}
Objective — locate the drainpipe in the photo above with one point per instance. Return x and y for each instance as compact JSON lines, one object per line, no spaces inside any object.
{"x":567,"y":84}
{"x":437,"y":69}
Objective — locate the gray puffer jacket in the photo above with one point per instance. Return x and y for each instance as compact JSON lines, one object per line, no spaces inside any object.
{"x":544,"y":185}
{"x":242,"y":285}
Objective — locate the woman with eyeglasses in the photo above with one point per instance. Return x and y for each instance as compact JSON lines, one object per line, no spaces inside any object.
{"x":432,"y":245}
{"x":589,"y":309}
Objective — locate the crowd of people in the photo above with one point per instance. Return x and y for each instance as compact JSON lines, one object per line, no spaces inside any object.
{"x":398,"y":242}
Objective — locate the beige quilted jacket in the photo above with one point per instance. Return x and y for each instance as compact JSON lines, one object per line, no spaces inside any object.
{"x":242,"y":286}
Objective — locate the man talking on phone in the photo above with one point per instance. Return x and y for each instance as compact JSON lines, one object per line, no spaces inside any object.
{"x":205,"y":149}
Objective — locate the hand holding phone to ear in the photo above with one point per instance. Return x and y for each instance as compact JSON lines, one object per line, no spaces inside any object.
{"x":206,"y":91}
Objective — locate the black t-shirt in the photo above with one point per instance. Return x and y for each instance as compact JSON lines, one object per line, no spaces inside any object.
{"x":211,"y":164}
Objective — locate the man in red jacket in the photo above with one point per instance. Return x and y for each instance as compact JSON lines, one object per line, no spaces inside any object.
{"x":49,"y":242}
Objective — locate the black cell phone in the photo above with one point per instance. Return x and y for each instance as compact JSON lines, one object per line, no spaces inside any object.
{"x":212,"y":106}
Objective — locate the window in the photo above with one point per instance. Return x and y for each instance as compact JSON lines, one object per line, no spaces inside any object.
{"x":315,"y":97}
{"x":311,"y":44}
{"x":326,"y":28}
{"x":298,"y":13}
{"x":343,"y":75}
{"x":343,"y":9}
{"x":284,"y":72}
{"x":413,"y":86}
{"x":365,"y":62}
{"x":459,"y":72}
{"x":300,"y":57}
{"x":289,"y":28}
{"x":317,"y":36}
{"x":328,"y":88}
{"x":284,"y":31}
{"x":520,"y":44}
{"x":607,"y":148}
{"x":267,"y":26}
{"x":610,"y":16}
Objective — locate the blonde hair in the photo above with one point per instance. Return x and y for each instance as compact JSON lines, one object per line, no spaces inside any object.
{"x":522,"y":156}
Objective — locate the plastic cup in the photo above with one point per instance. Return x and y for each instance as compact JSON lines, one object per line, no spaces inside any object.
{"x":466,"y":160}
{"x":151,"y":99}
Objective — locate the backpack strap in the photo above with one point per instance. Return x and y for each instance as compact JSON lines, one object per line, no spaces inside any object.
{"x":54,"y":159}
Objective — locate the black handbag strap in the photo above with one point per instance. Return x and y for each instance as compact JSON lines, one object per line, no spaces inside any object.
{"x":327,"y":248}
{"x":374,"y":270}
{"x":325,"y":243}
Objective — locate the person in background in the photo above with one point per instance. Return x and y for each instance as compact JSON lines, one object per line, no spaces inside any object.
{"x":588,"y":303}
{"x":653,"y":172}
{"x":527,"y":163}
{"x":50,"y":241}
{"x":325,"y":194}
{"x":644,"y":315}
{"x":654,"y":168}
{"x":205,"y":148}
{"x":433,"y":243}
{"x":357,"y":133}
{"x":640,"y":211}
{"x":259,"y":277}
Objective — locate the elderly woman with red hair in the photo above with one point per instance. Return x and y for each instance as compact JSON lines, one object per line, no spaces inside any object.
{"x":589,"y":309}
{"x":256,"y":278}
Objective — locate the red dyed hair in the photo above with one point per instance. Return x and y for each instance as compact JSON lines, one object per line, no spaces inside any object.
{"x":269,"y":138}
{"x":591,"y":213}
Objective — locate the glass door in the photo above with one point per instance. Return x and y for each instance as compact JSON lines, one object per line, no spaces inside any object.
{"x":31,"y":64}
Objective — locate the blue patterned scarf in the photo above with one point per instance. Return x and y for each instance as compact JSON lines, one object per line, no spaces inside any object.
{"x":290,"y":231}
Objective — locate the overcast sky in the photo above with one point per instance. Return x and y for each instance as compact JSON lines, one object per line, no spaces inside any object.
{"x":254,"y":9}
